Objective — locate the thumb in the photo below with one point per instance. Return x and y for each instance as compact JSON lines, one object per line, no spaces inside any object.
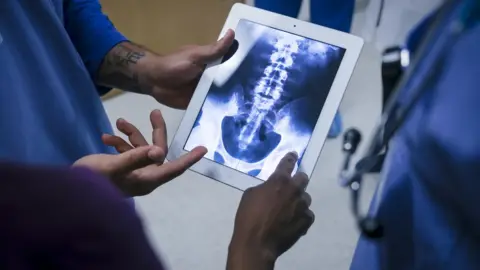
{"x":208,"y":53}
{"x":131,"y":160}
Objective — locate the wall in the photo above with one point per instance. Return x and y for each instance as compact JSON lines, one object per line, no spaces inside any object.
{"x":166,"y":25}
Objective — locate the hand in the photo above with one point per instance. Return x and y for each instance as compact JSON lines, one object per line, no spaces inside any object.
{"x":139,"y":168}
{"x":174,"y":77}
{"x":271,"y":218}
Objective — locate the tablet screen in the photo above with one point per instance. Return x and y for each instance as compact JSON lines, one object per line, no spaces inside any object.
{"x":265,"y":99}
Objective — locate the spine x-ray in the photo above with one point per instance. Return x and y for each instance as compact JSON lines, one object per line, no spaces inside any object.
{"x":265,"y":99}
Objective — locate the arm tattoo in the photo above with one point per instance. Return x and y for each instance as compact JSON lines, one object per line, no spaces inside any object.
{"x":120,"y":68}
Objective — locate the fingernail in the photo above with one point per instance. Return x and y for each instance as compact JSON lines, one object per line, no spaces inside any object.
{"x":294,"y":153}
{"x":203,"y":148}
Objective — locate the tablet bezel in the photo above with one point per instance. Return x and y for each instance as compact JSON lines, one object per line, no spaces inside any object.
{"x":352,"y":45}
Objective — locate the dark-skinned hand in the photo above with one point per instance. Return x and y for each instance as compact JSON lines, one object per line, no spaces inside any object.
{"x":271,"y":218}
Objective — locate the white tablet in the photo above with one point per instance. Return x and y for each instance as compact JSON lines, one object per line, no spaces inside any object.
{"x":278,"y":92}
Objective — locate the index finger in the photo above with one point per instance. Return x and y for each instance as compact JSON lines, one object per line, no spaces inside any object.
{"x":129,"y":161}
{"x":287,"y":164}
{"x":172,"y":169}
{"x":159,"y":134}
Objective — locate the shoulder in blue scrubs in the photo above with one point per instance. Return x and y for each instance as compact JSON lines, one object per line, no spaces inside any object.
{"x":430,"y":203}
{"x":50,"y":110}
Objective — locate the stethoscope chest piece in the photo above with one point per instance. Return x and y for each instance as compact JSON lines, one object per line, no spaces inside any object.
{"x":371,"y":228}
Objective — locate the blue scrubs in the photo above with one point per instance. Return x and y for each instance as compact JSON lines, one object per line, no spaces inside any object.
{"x":333,"y":14}
{"x":50,"y":110}
{"x":430,"y":203}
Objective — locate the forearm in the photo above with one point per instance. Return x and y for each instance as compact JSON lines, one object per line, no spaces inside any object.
{"x":125,"y":67}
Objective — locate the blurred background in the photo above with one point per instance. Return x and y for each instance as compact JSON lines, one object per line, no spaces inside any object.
{"x":190,"y":220}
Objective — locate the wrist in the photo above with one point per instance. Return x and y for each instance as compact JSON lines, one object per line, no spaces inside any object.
{"x":128,"y":66}
{"x":147,"y":71}
{"x":249,"y":257}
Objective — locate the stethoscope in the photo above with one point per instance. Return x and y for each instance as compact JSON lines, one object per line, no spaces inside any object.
{"x":451,"y":21}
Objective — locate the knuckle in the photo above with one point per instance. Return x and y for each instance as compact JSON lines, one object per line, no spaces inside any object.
{"x":311,"y":217}
{"x":306,"y":222}
{"x":307,"y":198}
{"x":301,"y":179}
{"x":300,"y":206}
{"x":131,"y":159}
{"x":301,"y":176}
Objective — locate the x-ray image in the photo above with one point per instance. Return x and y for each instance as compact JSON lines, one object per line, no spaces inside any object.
{"x":265,"y":99}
